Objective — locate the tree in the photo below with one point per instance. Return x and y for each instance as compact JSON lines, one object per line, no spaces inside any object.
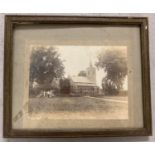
{"x":45,"y":65}
{"x":114,"y":64}
{"x":82,"y":73}
{"x":65,"y":86}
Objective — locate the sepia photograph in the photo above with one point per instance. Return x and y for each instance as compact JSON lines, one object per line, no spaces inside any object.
{"x":80,"y":82}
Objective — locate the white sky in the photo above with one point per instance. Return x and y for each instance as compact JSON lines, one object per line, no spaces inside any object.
{"x":77,"y":58}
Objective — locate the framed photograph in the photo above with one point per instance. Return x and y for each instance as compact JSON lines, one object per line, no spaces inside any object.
{"x":76,"y":76}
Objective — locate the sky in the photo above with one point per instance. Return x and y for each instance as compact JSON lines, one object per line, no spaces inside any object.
{"x":77,"y":58}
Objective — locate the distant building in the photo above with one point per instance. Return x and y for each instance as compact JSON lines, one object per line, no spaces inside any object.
{"x":81,"y":85}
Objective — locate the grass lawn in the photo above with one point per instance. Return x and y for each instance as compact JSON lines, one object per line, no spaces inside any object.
{"x":80,"y":107}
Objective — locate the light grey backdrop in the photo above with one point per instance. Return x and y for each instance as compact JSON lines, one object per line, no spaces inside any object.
{"x":152,"y":66}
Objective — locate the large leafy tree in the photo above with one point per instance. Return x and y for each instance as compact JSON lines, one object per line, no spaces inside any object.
{"x":45,"y":65}
{"x":114,"y":64}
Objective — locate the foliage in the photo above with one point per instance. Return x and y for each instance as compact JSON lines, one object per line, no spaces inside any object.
{"x":82,"y":73}
{"x":45,"y":65}
{"x":65,"y":86}
{"x":114,"y":64}
{"x":33,"y":92}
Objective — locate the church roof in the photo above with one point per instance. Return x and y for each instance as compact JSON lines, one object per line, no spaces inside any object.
{"x":80,"y":80}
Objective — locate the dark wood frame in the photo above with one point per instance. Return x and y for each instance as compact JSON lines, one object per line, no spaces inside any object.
{"x":12,"y":20}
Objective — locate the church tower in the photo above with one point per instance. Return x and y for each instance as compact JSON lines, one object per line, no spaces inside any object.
{"x":91,"y":73}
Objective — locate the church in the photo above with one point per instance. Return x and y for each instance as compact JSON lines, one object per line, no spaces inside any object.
{"x":85,"y":85}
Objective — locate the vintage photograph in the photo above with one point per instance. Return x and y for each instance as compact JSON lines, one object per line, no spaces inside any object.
{"x":78,"y":82}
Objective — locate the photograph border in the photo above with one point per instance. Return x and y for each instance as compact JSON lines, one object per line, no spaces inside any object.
{"x":11,"y":21}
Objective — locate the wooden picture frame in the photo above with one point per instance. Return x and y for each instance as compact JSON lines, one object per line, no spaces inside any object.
{"x":14,"y":21}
